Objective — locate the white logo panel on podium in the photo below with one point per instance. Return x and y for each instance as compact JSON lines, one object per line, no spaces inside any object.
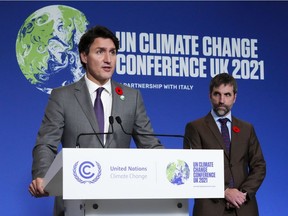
{"x":142,"y":173}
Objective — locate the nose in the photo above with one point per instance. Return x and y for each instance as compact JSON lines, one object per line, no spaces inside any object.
{"x":107,"y":57}
{"x":221,"y":99}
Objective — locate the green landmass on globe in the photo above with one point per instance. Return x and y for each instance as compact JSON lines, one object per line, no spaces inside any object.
{"x":47,"y":46}
{"x":178,"y":172}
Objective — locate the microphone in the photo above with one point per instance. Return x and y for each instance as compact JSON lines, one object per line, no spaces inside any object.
{"x":111,"y":122}
{"x":119,"y":121}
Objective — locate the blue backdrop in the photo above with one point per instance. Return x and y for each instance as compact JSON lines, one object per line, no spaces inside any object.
{"x":172,"y":96}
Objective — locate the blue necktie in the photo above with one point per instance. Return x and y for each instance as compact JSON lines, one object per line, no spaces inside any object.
{"x":225,"y":133}
{"x":99,"y":111}
{"x":227,"y":142}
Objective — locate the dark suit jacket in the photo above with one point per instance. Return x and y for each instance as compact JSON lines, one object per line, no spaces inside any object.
{"x":70,"y":112}
{"x":246,"y":162}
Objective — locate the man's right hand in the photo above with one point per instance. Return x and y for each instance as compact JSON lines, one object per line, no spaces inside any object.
{"x":235,"y":198}
{"x":36,"y":188}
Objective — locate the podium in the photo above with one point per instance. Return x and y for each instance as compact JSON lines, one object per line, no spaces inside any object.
{"x":138,"y":182}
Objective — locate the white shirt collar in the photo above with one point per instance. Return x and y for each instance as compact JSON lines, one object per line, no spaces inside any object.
{"x":92,"y":87}
{"x":228,"y":115}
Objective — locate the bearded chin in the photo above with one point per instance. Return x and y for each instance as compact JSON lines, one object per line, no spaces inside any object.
{"x":220,"y":112}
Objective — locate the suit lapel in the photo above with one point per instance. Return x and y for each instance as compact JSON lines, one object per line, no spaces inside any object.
{"x":211,"y":124}
{"x":235,"y":138}
{"x":116,"y":110}
{"x":84,"y":100}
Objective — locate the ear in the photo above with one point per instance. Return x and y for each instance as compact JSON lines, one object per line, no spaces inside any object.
{"x":83,"y":57}
{"x":235,"y":96}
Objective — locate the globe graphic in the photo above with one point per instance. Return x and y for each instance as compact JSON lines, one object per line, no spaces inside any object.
{"x":47,"y":46}
{"x":178,"y":172}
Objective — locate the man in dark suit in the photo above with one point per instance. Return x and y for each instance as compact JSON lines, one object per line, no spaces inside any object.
{"x":70,"y":111}
{"x":244,"y":164}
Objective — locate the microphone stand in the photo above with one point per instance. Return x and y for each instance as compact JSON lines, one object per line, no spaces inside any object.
{"x":111,"y":121}
{"x":119,"y":121}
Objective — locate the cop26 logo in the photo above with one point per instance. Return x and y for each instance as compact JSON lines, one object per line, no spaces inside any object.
{"x":87,"y":172}
{"x":178,"y":172}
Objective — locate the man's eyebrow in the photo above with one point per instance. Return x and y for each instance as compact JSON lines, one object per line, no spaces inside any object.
{"x":104,"y":48}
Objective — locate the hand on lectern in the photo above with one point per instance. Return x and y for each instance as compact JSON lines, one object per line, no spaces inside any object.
{"x":36,"y":188}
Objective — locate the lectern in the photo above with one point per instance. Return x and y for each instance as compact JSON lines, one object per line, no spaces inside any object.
{"x":138,"y":182}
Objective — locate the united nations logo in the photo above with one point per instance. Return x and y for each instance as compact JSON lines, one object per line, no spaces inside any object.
{"x":178,"y":172}
{"x":87,"y":172}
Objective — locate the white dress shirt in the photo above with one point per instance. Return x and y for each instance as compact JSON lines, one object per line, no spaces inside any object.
{"x":229,"y":123}
{"x":106,"y":98}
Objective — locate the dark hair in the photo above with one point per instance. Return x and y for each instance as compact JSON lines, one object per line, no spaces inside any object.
{"x":95,"y":32}
{"x":223,"y":78}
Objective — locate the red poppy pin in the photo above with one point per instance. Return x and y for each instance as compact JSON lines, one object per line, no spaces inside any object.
{"x":236,"y":129}
{"x":119,"y":91}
